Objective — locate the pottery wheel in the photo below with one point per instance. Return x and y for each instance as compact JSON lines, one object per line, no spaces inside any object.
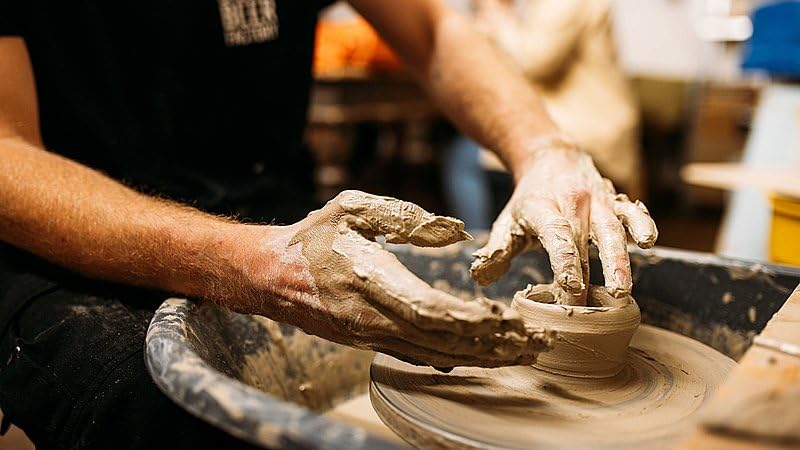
{"x":666,"y":379}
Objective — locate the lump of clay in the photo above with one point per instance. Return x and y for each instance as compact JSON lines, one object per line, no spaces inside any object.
{"x":591,"y":341}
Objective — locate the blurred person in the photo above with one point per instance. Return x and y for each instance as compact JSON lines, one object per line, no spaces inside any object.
{"x":145,"y":145}
{"x":566,"y":49}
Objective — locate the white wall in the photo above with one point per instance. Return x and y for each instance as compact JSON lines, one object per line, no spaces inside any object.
{"x":657,"y":38}
{"x":660,"y":38}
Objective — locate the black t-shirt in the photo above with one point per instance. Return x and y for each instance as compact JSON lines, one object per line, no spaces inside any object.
{"x":156,"y":92}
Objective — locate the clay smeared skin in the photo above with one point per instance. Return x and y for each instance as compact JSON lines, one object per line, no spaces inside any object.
{"x":348,"y":289}
{"x":564,"y":213}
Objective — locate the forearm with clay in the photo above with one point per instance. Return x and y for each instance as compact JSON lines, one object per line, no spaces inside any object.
{"x":560,"y":197}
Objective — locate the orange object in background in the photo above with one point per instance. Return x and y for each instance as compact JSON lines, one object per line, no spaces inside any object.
{"x":351,"y":46}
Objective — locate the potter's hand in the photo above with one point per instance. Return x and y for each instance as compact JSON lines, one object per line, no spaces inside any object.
{"x":562,"y":200}
{"x":325,"y":275}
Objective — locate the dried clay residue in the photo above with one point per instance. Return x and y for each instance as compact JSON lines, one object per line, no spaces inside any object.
{"x":305,"y":369}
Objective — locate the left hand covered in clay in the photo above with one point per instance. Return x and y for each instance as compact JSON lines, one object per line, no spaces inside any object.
{"x":562,"y":200}
{"x":327,"y":275}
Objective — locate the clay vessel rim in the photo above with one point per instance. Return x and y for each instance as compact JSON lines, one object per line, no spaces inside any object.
{"x":576,"y":308}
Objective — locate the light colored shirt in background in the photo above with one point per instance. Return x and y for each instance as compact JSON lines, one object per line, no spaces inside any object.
{"x":566,"y":48}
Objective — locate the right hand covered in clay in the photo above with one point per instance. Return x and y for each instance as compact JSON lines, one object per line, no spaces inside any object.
{"x":562,"y":201}
{"x":326,"y":275}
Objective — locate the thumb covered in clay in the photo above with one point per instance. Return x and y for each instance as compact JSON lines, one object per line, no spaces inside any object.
{"x":399,"y":221}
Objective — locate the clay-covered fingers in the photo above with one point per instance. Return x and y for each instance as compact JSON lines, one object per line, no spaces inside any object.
{"x":506,"y":240}
{"x":542,"y":218}
{"x":503,"y":349}
{"x":446,"y":350}
{"x":575,"y":206}
{"x":392,"y":289}
{"x":417,"y":355}
{"x":388,"y":284}
{"x":637,"y":220}
{"x":609,"y":236}
{"x":400,"y":221}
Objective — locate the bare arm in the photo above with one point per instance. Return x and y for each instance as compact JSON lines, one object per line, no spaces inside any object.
{"x":77,"y":217}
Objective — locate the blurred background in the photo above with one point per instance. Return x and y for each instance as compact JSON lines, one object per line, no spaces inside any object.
{"x":692,"y":106}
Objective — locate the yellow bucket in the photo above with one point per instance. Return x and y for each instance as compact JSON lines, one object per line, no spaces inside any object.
{"x":784,"y":242}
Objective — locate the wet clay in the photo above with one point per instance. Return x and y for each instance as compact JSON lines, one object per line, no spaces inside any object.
{"x":564,"y":214}
{"x":663,"y":382}
{"x":304,"y":369}
{"x":364,"y":297}
{"x":592,"y":340}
